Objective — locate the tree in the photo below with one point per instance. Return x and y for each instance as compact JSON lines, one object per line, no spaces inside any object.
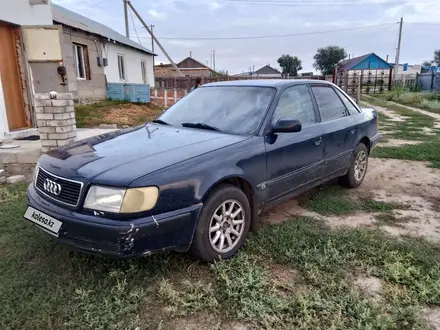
{"x":290,"y":65}
{"x":326,"y":58}
{"x":220,"y":73}
{"x":437,"y":57}
{"x":427,"y":63}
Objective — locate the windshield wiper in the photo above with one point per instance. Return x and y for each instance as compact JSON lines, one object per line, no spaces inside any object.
{"x":160,"y":121}
{"x":200,"y":125}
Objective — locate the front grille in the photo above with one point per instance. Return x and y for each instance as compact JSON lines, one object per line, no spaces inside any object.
{"x":70,"y":190}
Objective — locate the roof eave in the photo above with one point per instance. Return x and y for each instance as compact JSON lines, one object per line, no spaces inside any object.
{"x":102,"y":36}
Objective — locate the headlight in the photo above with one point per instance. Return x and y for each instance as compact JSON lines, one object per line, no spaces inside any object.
{"x":35,"y":172}
{"x":121,"y":200}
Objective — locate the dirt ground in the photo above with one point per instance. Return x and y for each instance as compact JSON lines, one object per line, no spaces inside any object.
{"x":411,"y":183}
{"x":395,"y":117}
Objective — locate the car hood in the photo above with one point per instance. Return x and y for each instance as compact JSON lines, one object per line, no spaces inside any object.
{"x":120,"y":157}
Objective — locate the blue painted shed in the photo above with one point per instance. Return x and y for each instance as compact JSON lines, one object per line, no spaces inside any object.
{"x":365,"y":62}
{"x":130,"y":92}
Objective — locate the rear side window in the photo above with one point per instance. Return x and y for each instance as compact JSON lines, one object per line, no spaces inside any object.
{"x":348,"y":104}
{"x":330,"y":105}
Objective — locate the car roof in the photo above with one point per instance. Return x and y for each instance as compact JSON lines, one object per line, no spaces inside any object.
{"x":277,"y":83}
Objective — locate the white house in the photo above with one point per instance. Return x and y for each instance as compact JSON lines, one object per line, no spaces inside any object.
{"x":95,"y":55}
{"x":16,"y":112}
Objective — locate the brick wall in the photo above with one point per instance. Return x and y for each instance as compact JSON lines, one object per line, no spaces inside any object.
{"x":93,"y":88}
{"x":167,"y":97}
{"x":55,"y":120}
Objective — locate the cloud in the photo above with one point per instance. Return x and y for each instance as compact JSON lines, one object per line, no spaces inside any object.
{"x":216,"y":19}
{"x":185,"y":44}
{"x":157,"y":15}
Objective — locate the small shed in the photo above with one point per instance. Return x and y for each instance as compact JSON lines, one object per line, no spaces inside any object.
{"x":372,"y":73}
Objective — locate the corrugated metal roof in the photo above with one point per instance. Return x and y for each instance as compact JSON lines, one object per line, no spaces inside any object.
{"x":348,"y":64}
{"x":364,"y":62}
{"x":267,"y":69}
{"x":64,"y":16}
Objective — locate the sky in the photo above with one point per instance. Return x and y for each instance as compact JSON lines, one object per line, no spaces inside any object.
{"x":360,"y":26}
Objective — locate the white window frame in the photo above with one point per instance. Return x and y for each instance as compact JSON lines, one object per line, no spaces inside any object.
{"x":78,"y":73}
{"x":122,"y":70}
{"x":144,"y":71}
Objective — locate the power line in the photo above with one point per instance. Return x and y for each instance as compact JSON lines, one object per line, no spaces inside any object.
{"x":273,"y":36}
{"x":371,"y":35}
{"x":306,"y":3}
{"x":135,"y":31}
{"x":422,"y":23}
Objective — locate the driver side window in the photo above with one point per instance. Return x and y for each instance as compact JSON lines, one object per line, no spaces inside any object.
{"x":295,"y":103}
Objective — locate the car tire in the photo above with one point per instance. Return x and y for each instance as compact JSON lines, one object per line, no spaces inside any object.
{"x":358,"y":168}
{"x":219,"y":232}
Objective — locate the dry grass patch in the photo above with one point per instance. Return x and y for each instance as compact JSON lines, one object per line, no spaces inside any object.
{"x":120,"y":113}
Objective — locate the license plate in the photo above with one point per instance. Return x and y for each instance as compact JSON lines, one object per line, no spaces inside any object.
{"x":45,"y":221}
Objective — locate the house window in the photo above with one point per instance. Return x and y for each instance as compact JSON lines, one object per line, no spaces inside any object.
{"x":144,"y":71}
{"x":82,"y":61}
{"x":121,"y":67}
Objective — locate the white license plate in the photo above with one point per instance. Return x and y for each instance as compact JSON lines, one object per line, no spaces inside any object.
{"x":45,"y":221}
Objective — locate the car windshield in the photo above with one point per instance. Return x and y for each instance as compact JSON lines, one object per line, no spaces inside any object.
{"x":229,"y":109}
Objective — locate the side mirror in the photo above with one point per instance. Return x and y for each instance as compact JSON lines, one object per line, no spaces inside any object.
{"x":287,"y":126}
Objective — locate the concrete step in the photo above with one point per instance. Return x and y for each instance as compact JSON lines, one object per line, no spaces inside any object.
{"x":19,"y":161}
{"x":16,"y":179}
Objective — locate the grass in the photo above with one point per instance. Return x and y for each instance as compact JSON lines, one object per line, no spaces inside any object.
{"x":121,"y":113}
{"x":45,"y":285}
{"x":335,"y":200}
{"x":390,"y":219}
{"x":427,"y":100}
{"x":410,"y":129}
{"x":428,"y":151}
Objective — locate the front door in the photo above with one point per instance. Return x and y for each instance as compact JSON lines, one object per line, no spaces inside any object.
{"x":294,"y":159}
{"x":339,"y":129}
{"x":10,"y":76}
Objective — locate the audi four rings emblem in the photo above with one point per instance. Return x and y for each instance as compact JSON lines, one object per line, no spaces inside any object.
{"x":52,"y":187}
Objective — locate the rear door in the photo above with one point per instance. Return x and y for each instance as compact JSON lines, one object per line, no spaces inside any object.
{"x":339,"y":129}
{"x":294,"y":159}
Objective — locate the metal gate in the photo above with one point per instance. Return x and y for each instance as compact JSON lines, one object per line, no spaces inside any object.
{"x":368,"y":81}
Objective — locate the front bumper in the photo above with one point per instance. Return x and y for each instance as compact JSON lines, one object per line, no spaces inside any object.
{"x":122,"y":239}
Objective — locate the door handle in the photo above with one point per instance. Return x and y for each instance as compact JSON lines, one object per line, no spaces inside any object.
{"x":317,"y":141}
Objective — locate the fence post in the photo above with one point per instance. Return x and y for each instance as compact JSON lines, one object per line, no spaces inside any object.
{"x":175,"y":95}
{"x":417,"y":82}
{"x":361,"y":77}
{"x":188,"y":83}
{"x":358,"y":90}
{"x":345,"y":81}
{"x":432,"y":80}
{"x":165,"y":96}
{"x":390,"y":81}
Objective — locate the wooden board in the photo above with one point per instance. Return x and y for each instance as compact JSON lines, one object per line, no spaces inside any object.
{"x":10,"y":76}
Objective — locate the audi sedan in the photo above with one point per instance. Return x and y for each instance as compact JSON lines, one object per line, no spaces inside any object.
{"x":196,"y":178}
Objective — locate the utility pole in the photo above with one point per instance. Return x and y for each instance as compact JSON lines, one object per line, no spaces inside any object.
{"x":127,"y":29}
{"x":398,"y":47}
{"x":152,"y":41}
{"x":213,"y":57}
{"x":154,"y":38}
